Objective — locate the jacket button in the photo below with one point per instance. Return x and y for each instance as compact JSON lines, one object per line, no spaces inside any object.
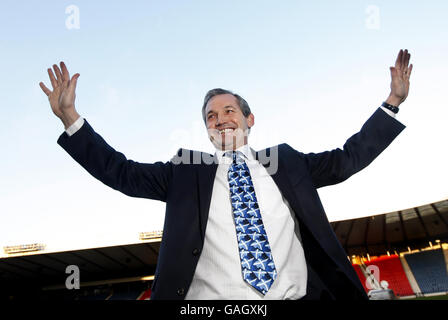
{"x":195,"y":251}
{"x":180,"y":291}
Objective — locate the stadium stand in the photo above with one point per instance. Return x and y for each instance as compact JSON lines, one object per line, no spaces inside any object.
{"x":429,"y":269}
{"x":391,"y":270}
{"x":126,"y":271}
{"x":361,"y":275}
{"x":145,"y":295}
{"x":127,"y":292}
{"x":97,"y":294}
{"x":135,"y":290}
{"x":410,"y":276}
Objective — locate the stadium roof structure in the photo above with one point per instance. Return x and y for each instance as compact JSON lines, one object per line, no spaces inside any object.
{"x":398,"y":231}
{"x":374,"y":235}
{"x":48,"y":270}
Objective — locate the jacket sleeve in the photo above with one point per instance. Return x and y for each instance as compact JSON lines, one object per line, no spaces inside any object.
{"x":111,"y":167}
{"x":331,"y":167}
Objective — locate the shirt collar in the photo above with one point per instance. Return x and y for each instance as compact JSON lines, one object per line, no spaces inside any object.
{"x":246,"y":150}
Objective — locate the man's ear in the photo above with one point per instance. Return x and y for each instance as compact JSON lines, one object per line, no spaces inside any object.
{"x":250,"y":120}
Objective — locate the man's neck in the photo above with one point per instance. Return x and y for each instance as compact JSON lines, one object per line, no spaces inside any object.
{"x":245,"y":149}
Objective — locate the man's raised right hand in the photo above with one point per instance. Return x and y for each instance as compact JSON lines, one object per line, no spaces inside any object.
{"x":62,"y":98}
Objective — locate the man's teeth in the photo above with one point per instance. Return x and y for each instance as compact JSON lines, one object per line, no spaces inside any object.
{"x":226,"y":130}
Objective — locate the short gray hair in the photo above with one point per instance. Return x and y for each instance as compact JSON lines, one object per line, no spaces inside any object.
{"x":244,"y":106}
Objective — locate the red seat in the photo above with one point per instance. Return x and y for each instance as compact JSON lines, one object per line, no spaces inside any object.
{"x":361,"y":276}
{"x":391,"y":270}
{"x":146,"y":295}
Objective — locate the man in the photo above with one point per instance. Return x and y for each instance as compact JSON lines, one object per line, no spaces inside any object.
{"x":239,"y":224}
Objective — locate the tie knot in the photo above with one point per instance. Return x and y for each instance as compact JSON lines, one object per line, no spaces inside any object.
{"x":237,"y":156}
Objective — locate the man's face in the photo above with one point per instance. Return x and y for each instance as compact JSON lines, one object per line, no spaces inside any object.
{"x":226,"y":125}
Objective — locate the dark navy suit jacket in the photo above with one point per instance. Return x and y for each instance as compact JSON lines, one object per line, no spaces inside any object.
{"x":187,"y":188}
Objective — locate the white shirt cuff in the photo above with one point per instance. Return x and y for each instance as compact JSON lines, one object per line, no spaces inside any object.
{"x":389,"y":112}
{"x":75,"y":126}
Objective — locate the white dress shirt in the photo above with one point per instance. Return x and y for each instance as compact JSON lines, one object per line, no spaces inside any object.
{"x":218,"y":274}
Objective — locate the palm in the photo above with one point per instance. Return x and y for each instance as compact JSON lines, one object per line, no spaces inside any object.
{"x":63,"y":95}
{"x":400,"y":74}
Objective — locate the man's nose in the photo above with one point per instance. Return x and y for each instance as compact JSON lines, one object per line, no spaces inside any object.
{"x":219,"y":120}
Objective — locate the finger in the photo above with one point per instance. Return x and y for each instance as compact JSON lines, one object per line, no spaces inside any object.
{"x":399,"y":57}
{"x":44,"y":88}
{"x":403,"y":58}
{"x":53,"y":81}
{"x":58,"y":73}
{"x":406,"y":58}
{"x":409,"y":71}
{"x":73,"y":81}
{"x":65,"y":73}
{"x":406,"y":63}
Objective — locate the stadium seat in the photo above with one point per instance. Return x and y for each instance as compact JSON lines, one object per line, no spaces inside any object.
{"x":361,"y":276}
{"x":145,"y":295}
{"x":93,"y":297}
{"x":429,"y":269}
{"x":391,"y":270}
{"x":130,"y":293}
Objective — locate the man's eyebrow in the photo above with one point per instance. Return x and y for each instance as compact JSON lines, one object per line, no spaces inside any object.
{"x":226,"y":107}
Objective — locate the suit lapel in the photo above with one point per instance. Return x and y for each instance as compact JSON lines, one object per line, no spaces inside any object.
{"x":282,"y":180}
{"x":205,"y":174}
{"x":279,"y":176}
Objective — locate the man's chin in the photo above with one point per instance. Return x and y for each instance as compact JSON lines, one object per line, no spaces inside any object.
{"x":227,"y":143}
{"x":223,"y":147}
{"x":227,"y":147}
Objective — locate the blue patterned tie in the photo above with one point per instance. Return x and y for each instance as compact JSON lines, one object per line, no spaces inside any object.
{"x":255,"y":253}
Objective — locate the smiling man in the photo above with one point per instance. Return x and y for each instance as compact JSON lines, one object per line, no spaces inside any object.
{"x":228,"y":119}
{"x":233,"y":228}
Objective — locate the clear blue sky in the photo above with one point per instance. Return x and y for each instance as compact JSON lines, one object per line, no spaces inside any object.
{"x":311,"y":72}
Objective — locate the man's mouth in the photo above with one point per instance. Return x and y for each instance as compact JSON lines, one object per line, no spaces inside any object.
{"x":226,"y":130}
